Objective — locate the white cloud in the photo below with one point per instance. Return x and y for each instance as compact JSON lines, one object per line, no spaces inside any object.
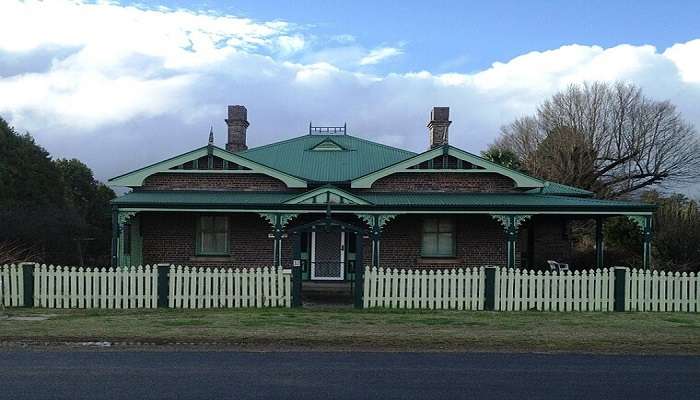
{"x":686,"y":56}
{"x":148,"y":82}
{"x":377,"y":55}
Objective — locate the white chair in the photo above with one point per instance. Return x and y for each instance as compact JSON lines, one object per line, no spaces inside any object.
{"x":557,"y":266}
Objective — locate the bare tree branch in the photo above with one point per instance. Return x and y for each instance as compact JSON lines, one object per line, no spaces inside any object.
{"x":608,"y":138}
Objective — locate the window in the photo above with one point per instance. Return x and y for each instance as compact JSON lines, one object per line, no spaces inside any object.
{"x":438,"y":237}
{"x":212,"y":235}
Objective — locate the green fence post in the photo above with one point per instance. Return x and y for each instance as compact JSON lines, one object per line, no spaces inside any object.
{"x":490,"y":289}
{"x":359,"y":271}
{"x":28,"y":286}
{"x":620,"y":295}
{"x":163,"y":285}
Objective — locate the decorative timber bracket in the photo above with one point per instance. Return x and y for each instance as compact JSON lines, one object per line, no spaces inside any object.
{"x":278,"y":222}
{"x":123,"y":218}
{"x":510,"y":224}
{"x":644,"y":222}
{"x":376,"y":222}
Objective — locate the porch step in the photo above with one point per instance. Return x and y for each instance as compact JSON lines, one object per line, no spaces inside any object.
{"x":326,"y":287}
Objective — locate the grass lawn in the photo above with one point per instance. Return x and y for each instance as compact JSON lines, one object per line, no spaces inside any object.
{"x":347,"y":329}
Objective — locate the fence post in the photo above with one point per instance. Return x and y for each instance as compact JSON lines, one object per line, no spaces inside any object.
{"x":28,"y":284}
{"x":619,"y":294}
{"x":490,"y":288}
{"x":163,"y":285}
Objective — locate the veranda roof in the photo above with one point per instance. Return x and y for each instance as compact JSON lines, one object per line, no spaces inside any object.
{"x":380,"y":201}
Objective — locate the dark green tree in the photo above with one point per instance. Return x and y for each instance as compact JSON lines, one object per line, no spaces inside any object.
{"x":45,"y":205}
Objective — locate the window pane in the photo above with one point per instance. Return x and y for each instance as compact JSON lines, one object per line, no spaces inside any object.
{"x":220,"y":240}
{"x":445,"y":244}
{"x":430,"y":225}
{"x":207,"y":224}
{"x":430,"y":244}
{"x":207,"y":242}
{"x":220,"y":224}
{"x":446,"y":225}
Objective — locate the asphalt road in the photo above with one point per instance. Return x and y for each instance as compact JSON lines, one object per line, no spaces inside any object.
{"x":311,"y":375}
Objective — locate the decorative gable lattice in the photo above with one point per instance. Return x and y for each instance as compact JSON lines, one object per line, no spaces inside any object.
{"x":445,"y":162}
{"x":327,"y":195}
{"x":210,"y":163}
{"x":204,"y":160}
{"x":328,"y":145}
{"x":447,"y":158}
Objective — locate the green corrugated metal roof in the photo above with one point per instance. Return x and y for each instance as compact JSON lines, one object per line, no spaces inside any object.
{"x":296,"y":157}
{"x":495,"y":200}
{"x":214,"y":198}
{"x":437,"y":201}
{"x":559,"y":189}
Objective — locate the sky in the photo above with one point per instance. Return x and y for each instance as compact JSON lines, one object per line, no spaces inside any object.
{"x":121,"y":85}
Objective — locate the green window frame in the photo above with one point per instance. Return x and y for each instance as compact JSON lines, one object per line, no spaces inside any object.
{"x":212,"y":237}
{"x":438,"y":237}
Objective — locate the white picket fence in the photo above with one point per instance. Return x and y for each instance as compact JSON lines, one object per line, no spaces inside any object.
{"x":11,"y":285}
{"x":522,"y":290}
{"x":228,"y":287}
{"x":662,"y":291}
{"x":73,"y":287}
{"x":454,"y":289}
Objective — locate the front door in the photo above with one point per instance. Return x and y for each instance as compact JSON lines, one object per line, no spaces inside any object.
{"x":328,"y":256}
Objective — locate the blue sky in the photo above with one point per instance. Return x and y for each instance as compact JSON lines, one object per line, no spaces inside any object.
{"x":466,"y":36}
{"x":123,"y":84}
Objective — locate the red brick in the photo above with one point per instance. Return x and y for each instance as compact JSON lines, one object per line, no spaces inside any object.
{"x":213,"y":181}
{"x":444,"y":182}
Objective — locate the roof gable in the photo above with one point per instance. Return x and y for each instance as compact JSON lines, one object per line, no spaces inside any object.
{"x":327,"y":195}
{"x":473,"y":163}
{"x":296,"y":157}
{"x":244,"y":165}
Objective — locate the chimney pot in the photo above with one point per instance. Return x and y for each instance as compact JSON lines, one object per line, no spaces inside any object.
{"x":438,"y":126}
{"x":237,"y":122}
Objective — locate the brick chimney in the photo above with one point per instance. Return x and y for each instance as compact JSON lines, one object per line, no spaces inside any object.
{"x":237,"y":122}
{"x":438,"y":125}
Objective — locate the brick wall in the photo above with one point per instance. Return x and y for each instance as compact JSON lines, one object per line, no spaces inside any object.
{"x":213,"y":181}
{"x":444,"y":182}
{"x":170,"y":238}
{"x":480,"y":240}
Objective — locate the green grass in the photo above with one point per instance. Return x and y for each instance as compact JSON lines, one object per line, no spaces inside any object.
{"x":347,"y":329}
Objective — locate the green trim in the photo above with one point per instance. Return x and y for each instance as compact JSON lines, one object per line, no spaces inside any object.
{"x":137,"y":177}
{"x":382,"y":212}
{"x":521,"y":180}
{"x":345,"y":197}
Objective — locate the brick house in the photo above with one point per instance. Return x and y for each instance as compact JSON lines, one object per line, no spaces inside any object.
{"x":321,"y":202}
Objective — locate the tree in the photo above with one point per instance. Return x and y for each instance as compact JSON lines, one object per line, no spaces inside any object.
{"x":46,"y":205}
{"x":607,"y":138}
{"x":504,"y":157}
{"x":27,"y":174}
{"x":90,"y":199}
